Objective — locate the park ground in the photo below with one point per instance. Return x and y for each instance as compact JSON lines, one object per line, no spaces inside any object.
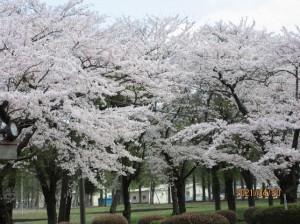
{"x":138,"y":210}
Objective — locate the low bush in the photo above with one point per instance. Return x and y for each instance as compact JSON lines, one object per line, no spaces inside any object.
{"x":196,"y":218}
{"x":149,"y":219}
{"x":110,"y":219}
{"x":65,"y":223}
{"x":278,"y":215}
{"x":156,"y":222}
{"x":230,"y":215}
{"x":248,"y":214}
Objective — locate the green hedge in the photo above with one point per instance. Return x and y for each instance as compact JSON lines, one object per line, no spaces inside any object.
{"x":65,"y":223}
{"x":248,"y":214}
{"x":109,"y":219}
{"x":196,"y":218}
{"x":149,"y":219}
{"x":278,"y":215}
{"x":230,"y":215}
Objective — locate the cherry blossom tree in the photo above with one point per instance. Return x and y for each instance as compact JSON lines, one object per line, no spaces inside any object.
{"x":55,"y":74}
{"x":240,"y":63}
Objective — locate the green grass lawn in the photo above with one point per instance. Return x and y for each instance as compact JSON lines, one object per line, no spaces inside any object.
{"x":40,"y":217}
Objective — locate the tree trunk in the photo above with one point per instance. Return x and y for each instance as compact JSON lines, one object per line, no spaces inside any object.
{"x":101,"y":197}
{"x":105,"y":197}
{"x":234,"y":188}
{"x":194,"y":187}
{"x":229,"y":190}
{"x":203,"y":182}
{"x":216,"y":189}
{"x":174,"y":200}
{"x":115,"y":201}
{"x":242,"y":187}
{"x":140,"y":194}
{"x":169,"y":195}
{"x":270,"y":200}
{"x":126,"y":198}
{"x":180,"y":185}
{"x":249,"y":184}
{"x":289,"y":184}
{"x":4,"y":215}
{"x":255,"y":187}
{"x":51,"y":208}
{"x":6,"y":169}
{"x":209,"y":185}
{"x":68,"y":207}
{"x":11,"y":190}
{"x":64,"y":198}
{"x":152,"y":191}
{"x":263,"y":187}
{"x":48,"y":175}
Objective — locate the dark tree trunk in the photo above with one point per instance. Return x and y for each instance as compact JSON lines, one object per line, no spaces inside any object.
{"x":194,"y":188}
{"x":11,"y":189}
{"x":105,"y":197}
{"x":180,"y":185}
{"x":115,"y":201}
{"x":229,"y":190}
{"x":101,"y":197}
{"x":216,"y":189}
{"x":243,"y":187}
{"x":249,"y":184}
{"x":289,"y":184}
{"x":68,"y":207}
{"x":209,"y":185}
{"x":4,"y":215}
{"x":64,"y":198}
{"x":7,"y":168}
{"x":263,"y":189}
{"x":174,"y":200}
{"x":169,"y":195}
{"x":126,"y":198}
{"x":203,"y":182}
{"x":255,"y":187}
{"x":152,"y":191}
{"x":234,"y":188}
{"x":270,"y":200}
{"x":51,"y":208}
{"x":48,"y":175}
{"x":140,"y":194}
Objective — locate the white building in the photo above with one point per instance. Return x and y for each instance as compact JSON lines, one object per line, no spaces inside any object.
{"x":161,"y":194}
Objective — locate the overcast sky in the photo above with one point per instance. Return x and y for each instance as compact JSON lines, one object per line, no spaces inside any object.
{"x":271,"y":14}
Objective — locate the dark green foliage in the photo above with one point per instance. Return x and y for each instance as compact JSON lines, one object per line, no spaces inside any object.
{"x":196,"y":218}
{"x":230,"y":215}
{"x":248,"y":214}
{"x":149,"y":218}
{"x":278,"y":215}
{"x":89,"y":187}
{"x":110,"y":219}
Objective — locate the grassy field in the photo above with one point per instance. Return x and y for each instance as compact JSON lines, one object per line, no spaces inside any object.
{"x":40,"y":217}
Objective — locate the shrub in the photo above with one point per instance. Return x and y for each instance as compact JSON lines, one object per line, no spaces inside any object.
{"x":278,"y":215}
{"x":149,"y":218}
{"x":110,"y":219}
{"x":248,"y":214}
{"x":65,"y":223}
{"x":196,"y":218}
{"x":156,"y":222}
{"x":230,"y":215}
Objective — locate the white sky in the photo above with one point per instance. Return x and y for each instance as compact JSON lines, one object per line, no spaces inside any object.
{"x":271,"y":14}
